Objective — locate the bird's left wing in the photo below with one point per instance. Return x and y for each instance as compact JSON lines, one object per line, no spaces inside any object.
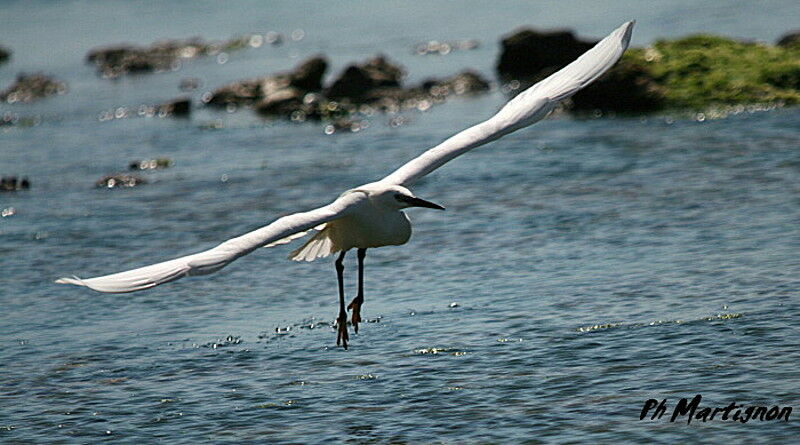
{"x":529,"y":107}
{"x":280,"y":231}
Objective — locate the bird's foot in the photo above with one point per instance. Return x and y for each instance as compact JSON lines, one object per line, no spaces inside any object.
{"x":355,"y":305}
{"x":342,"y":337}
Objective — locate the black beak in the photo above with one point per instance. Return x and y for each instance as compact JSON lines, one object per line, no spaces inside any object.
{"x":416,"y":202}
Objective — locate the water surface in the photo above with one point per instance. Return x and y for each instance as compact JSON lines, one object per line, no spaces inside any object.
{"x":582,"y":267}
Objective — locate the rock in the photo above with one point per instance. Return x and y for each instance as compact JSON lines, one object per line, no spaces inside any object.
{"x":627,"y":87}
{"x":304,"y":78}
{"x":703,"y":72}
{"x":30,"y":87}
{"x":308,"y":76}
{"x":467,"y":82}
{"x":5,"y":54}
{"x":427,"y":93}
{"x":282,"y":103}
{"x":12,"y":184}
{"x":181,"y":107}
{"x":243,"y":92}
{"x":354,"y":82}
{"x":361,"y":88}
{"x":120,"y":180}
{"x":116,"y":60}
{"x":358,"y":81}
{"x":150,"y":164}
{"x":790,"y":39}
{"x":528,"y":54}
{"x":389,"y":98}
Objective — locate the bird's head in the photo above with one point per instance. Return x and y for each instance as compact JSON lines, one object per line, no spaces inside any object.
{"x":399,"y":197}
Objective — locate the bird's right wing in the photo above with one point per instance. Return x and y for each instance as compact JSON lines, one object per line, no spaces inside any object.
{"x":527,"y":108}
{"x":280,"y":231}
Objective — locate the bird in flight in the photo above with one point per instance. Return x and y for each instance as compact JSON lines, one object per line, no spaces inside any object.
{"x":371,"y":215}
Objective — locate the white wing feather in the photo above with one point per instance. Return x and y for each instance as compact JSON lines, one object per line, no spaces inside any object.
{"x":527,"y":108}
{"x":280,"y":231}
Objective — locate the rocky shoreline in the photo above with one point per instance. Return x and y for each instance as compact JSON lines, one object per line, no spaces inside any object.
{"x":695,"y":73}
{"x":374,"y":85}
{"x":691,"y":73}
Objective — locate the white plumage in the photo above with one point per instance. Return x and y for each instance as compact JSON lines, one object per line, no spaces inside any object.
{"x":371,"y":215}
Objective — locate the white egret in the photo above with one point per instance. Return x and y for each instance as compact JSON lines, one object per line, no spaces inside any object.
{"x":372,"y":215}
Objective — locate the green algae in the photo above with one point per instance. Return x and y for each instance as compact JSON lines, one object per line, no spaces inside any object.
{"x":705,"y":71}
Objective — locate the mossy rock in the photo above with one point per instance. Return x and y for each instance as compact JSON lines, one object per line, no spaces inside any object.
{"x":698,"y":72}
{"x":702,"y":71}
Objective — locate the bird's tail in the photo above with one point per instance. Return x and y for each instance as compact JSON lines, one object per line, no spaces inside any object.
{"x":320,"y":245}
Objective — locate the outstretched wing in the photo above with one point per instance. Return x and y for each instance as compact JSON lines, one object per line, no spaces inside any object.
{"x":280,"y":231}
{"x":527,"y":108}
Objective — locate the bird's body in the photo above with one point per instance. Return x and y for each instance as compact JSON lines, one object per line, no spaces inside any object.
{"x":372,"y":215}
{"x":375,"y":221}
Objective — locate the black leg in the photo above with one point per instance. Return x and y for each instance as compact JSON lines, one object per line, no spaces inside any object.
{"x":355,"y":305}
{"x":341,"y":322}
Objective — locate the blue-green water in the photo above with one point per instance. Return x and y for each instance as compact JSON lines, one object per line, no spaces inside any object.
{"x":594,"y":264}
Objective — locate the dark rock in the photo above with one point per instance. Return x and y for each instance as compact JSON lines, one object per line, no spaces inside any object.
{"x":30,"y":87}
{"x":282,"y":102}
{"x":120,"y":180}
{"x":12,"y":184}
{"x":116,"y":60}
{"x":179,"y":108}
{"x":467,"y":82}
{"x":5,"y":54}
{"x":354,"y":82}
{"x":304,"y":78}
{"x":308,"y":76}
{"x":393,"y":98}
{"x":243,"y":92}
{"x":527,"y":53}
{"x":531,"y":56}
{"x":359,"y":80}
{"x":150,"y":164}
{"x":790,"y":39}
{"x":374,"y":85}
{"x":627,"y":87}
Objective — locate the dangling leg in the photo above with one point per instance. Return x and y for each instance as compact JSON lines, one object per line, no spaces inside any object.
{"x":341,"y":322}
{"x":355,"y":305}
